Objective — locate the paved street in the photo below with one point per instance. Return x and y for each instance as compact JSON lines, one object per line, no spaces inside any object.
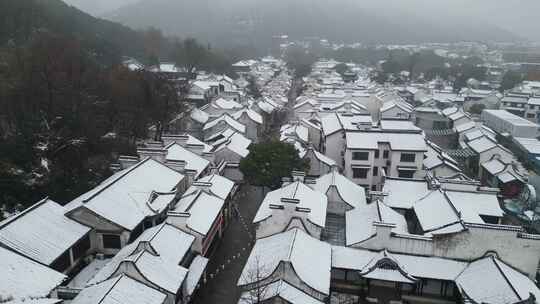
{"x":236,"y":240}
{"x":233,"y":251}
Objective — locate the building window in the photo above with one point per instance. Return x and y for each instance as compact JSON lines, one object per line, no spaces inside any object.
{"x":406,"y":173}
{"x":408,"y":157}
{"x":111,"y":241}
{"x":377,"y":154}
{"x":374,"y":188}
{"x":360,"y":172}
{"x":385,"y":154}
{"x":360,"y":156}
{"x":80,"y":249}
{"x":375,"y":171}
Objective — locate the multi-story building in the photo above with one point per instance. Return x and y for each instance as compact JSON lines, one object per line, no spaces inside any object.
{"x":372,"y":155}
{"x":506,"y":123}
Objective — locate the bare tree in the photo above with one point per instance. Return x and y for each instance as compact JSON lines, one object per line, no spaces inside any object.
{"x":257,"y":289}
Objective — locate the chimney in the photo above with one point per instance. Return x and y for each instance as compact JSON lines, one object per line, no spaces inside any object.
{"x":202,"y":185}
{"x":190,"y":175}
{"x":156,"y":154}
{"x":197,"y":149}
{"x":298,"y":176}
{"x":153,"y":144}
{"x":209,"y":156}
{"x":178,"y":219}
{"x":127,"y":161}
{"x":176,"y":165}
{"x":179,"y":139}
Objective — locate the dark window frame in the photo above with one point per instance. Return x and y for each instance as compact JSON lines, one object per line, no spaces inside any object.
{"x":361,"y":176}
{"x":407,"y":157}
{"x":363,"y":153}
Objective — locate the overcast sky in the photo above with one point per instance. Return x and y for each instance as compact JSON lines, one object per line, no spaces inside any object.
{"x":518,"y":16}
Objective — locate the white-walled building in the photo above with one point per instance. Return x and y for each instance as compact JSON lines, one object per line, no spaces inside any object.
{"x":372,"y":155}
{"x":127,"y":203}
{"x":506,"y":123}
{"x":295,"y":205}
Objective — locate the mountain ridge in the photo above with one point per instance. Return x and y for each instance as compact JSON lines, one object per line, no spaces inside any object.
{"x":342,"y":21}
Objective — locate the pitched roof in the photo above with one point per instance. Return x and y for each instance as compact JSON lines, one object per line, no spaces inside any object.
{"x":24,"y":278}
{"x":219,"y":185}
{"x":256,"y":117}
{"x":167,"y":241}
{"x":193,"y":161}
{"x":489,"y":280}
{"x":203,"y":209}
{"x":42,"y":232}
{"x":351,"y":193}
{"x":235,"y":142}
{"x":123,"y":198}
{"x":227,"y":119}
{"x":309,"y":257}
{"x":280,"y":289}
{"x":359,"y":221}
{"x":307,"y":198}
{"x":403,"y":193}
{"x":120,"y":289}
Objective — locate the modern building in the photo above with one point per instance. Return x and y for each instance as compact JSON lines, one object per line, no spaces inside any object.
{"x":508,"y":124}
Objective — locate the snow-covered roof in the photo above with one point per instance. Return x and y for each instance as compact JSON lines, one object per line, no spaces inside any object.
{"x":222,"y":103}
{"x":307,"y":198}
{"x":472,"y":205}
{"x":176,"y":152}
{"x":465,"y":126}
{"x":296,"y":131}
{"x":398,"y":141}
{"x":235,"y":142}
{"x":165,"y":240}
{"x":436,"y":157}
{"x":266,"y":107}
{"x":42,"y":232}
{"x":217,"y":185}
{"x":227,"y":119}
{"x":256,"y":117}
{"x":123,"y":198}
{"x":489,"y":280}
{"x":157,"y":270}
{"x":280,"y":289}
{"x":203,"y":208}
{"x":310,"y":258}
{"x":403,"y":193}
{"x":199,"y":116}
{"x":120,"y":289}
{"x":531,"y":145}
{"x":335,"y":122}
{"x":23,"y":278}
{"x":195,"y":273}
{"x":398,"y":125}
{"x":416,"y":266}
{"x":481,"y":144}
{"x":434,"y":212}
{"x":318,"y":155}
{"x":351,"y":193}
{"x":385,"y":267}
{"x":359,"y":221}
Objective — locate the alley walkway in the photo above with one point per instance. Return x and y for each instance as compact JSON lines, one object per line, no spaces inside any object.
{"x":237,"y":243}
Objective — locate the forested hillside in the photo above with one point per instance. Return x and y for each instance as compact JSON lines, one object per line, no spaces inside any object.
{"x":21,"y":19}
{"x":66,"y":105}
